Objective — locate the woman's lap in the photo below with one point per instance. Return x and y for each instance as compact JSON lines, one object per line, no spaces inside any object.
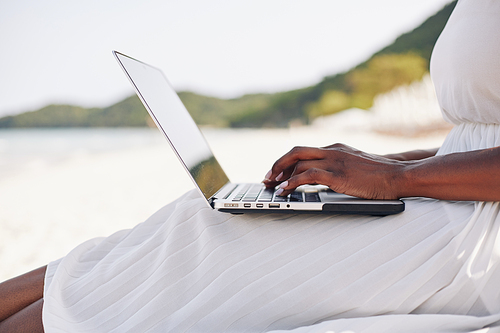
{"x":189,"y":267}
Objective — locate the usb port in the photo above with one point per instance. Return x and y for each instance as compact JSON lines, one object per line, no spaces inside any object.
{"x":274,"y":205}
{"x":260,"y":205}
{"x":247,"y":205}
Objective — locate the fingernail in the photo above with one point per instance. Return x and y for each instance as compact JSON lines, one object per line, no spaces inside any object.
{"x":279,"y":176}
{"x":284,"y":184}
{"x":268,"y":175}
{"x":278,"y":192}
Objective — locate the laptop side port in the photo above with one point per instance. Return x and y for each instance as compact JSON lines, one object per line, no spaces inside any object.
{"x":247,"y":205}
{"x":274,"y":205}
{"x":260,"y":205}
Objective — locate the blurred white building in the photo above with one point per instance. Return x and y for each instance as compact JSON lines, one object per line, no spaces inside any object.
{"x":408,"y":110}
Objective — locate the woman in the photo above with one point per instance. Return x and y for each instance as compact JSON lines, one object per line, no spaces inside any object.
{"x":433,"y":268}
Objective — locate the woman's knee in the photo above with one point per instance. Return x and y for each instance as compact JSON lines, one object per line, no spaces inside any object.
{"x":28,"y":319}
{"x":21,"y":291}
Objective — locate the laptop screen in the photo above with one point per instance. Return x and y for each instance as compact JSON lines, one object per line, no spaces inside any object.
{"x":172,"y":118}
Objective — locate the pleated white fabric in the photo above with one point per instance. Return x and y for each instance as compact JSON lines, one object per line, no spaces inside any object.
{"x":191,"y":269}
{"x":188,"y":268}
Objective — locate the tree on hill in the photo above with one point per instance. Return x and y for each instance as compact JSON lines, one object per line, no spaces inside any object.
{"x":66,"y":115}
{"x":382,"y":74}
{"x":128,"y":113}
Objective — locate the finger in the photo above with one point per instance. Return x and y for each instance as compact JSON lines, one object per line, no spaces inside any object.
{"x":282,"y":176}
{"x":310,"y":176}
{"x":287,"y":162}
{"x":300,"y":167}
{"x":303,"y":166}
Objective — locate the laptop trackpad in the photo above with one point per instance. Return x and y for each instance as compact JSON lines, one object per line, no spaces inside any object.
{"x":327,"y":195}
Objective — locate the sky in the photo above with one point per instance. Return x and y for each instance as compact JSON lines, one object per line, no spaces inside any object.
{"x":59,"y":51}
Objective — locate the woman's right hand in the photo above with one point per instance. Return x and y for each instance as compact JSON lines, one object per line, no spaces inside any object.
{"x":342,"y":168}
{"x":469,"y":176}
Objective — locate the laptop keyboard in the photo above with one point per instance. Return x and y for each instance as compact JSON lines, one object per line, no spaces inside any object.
{"x":259,"y":193}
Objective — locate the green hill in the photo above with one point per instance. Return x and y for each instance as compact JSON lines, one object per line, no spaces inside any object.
{"x":131,"y":113}
{"x":404,"y":61}
{"x":128,"y":112}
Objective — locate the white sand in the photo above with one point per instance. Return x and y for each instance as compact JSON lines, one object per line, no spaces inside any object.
{"x":47,"y":210}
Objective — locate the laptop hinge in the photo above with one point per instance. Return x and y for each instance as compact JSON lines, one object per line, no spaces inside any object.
{"x":211,"y":201}
{"x":223,"y":193}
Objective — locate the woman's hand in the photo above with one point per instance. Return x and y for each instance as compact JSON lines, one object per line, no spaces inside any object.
{"x":341,"y":168}
{"x":472,"y":175}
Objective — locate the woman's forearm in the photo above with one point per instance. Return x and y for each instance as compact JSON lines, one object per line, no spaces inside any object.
{"x":413,"y":155}
{"x":473,"y":175}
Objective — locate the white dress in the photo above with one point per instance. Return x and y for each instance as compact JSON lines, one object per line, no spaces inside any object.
{"x":433,"y":268}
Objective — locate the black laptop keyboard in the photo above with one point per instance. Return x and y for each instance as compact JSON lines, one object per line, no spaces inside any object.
{"x":259,"y":193}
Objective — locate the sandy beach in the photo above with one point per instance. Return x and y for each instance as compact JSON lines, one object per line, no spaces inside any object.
{"x":48,"y":206}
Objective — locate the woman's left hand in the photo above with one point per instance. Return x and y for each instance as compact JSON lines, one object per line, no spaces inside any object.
{"x":341,"y":168}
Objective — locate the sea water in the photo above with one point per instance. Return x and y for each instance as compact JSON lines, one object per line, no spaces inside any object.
{"x":24,"y":149}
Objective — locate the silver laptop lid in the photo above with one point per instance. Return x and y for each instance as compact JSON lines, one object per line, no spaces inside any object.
{"x":172,"y":118}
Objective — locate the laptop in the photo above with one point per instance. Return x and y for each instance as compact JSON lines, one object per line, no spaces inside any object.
{"x":174,"y":121}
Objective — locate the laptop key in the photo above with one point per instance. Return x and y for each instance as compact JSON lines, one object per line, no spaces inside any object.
{"x":266,"y":195}
{"x":280,"y":199}
{"x":311,"y":197}
{"x":296,"y":196}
